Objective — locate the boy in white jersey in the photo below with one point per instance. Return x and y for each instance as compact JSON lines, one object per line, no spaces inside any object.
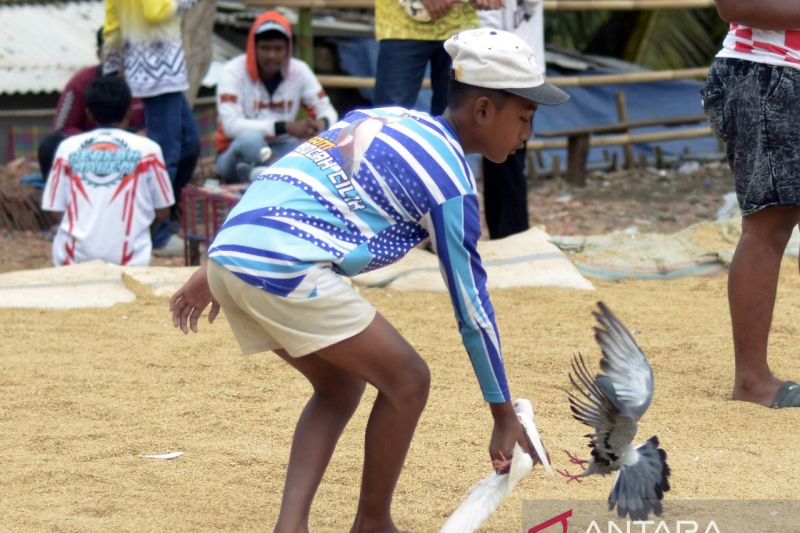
{"x":752,"y":98}
{"x":357,"y":197}
{"x":109,"y":184}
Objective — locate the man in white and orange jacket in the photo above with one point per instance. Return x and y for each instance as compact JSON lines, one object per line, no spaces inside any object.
{"x":259,"y":95}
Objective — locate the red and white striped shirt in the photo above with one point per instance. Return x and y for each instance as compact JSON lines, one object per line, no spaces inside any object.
{"x":762,"y":46}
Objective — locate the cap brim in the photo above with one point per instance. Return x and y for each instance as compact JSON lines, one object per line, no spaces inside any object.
{"x":271,"y":25}
{"x":545,"y":94}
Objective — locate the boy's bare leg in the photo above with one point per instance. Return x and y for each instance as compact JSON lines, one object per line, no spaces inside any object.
{"x":336,"y":396}
{"x":382,"y":357}
{"x":752,"y":286}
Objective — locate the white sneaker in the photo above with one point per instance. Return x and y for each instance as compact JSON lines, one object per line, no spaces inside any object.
{"x":173,"y":248}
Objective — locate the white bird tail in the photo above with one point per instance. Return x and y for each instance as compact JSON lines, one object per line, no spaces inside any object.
{"x":487,"y":494}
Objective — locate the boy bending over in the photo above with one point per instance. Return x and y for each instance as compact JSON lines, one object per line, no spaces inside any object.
{"x":354,"y":198}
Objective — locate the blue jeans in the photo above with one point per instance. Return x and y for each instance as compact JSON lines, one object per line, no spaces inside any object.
{"x":401,"y":69}
{"x":246,"y":148}
{"x":170,"y":123}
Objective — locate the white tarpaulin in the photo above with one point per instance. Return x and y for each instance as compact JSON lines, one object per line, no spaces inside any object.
{"x":164,"y":281}
{"x":701,"y":249}
{"x":92,"y":284}
{"x":526,"y":259}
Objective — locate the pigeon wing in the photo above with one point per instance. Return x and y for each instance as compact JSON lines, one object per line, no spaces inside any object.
{"x":625,"y":365}
{"x":593,"y":406}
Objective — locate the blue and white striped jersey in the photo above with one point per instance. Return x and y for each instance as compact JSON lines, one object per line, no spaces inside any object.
{"x":358,"y":197}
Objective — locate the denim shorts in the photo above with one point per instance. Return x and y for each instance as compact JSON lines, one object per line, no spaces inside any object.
{"x":755,"y":109}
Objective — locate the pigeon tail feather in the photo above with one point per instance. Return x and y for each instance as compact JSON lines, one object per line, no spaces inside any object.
{"x":640,"y":486}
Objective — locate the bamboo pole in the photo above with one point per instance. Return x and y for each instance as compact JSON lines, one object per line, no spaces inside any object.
{"x":622,"y":127}
{"x":321,"y":4}
{"x":622,"y":116}
{"x":615,"y":140}
{"x":361,"y":82}
{"x":26,"y":113}
{"x":629,"y":77}
{"x":554,"y":5}
{"x":354,"y":82}
{"x":594,"y":5}
{"x":305,"y":37}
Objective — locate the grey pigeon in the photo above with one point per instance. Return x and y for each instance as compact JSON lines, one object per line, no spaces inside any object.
{"x":612,"y":404}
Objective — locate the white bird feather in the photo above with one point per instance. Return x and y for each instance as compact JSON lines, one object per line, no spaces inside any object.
{"x":486,"y":495}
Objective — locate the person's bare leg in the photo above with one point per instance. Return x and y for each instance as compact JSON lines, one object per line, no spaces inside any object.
{"x":752,"y":286}
{"x":382,"y":357}
{"x":336,"y":396}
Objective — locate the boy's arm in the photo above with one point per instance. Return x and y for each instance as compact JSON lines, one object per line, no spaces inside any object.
{"x":437,"y":8}
{"x":765,"y":14}
{"x":455,"y":229}
{"x":162,"y":213}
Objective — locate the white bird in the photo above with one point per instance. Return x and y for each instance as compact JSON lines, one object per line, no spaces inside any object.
{"x":487,"y":494}
{"x":612,"y":403}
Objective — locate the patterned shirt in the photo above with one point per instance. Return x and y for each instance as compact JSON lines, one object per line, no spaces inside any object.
{"x":762,"y":46}
{"x":392,"y":22}
{"x":143,"y":40}
{"x":358,"y":197}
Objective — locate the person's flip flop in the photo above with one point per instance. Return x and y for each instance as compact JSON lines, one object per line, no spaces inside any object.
{"x":787,"y":396}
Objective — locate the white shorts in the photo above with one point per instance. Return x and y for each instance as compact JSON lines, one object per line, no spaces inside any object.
{"x":264,"y":321}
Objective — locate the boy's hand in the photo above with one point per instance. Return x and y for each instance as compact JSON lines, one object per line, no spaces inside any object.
{"x":188,"y":302}
{"x":317,"y":125}
{"x":302,"y":129}
{"x":507,"y":431}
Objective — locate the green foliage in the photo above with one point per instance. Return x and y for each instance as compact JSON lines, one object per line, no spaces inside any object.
{"x":574,"y":29}
{"x":657,"y":39}
{"x":675,"y":39}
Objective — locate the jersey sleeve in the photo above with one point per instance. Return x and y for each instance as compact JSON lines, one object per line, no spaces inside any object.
{"x":71,"y":110}
{"x":157,"y":179}
{"x":56,"y":190}
{"x":158,"y":11}
{"x":112,"y":40}
{"x":454,"y":227}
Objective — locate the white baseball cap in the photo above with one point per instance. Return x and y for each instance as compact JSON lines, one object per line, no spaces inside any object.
{"x":272,"y":25}
{"x":497,"y":59}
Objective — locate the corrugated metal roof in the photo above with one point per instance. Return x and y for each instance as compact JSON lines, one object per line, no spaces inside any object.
{"x":43,"y":45}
